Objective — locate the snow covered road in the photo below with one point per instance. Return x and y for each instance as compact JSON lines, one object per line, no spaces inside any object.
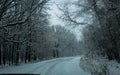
{"x":59,"y":66}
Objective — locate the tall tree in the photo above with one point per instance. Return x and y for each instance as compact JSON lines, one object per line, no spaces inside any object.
{"x":18,"y":21}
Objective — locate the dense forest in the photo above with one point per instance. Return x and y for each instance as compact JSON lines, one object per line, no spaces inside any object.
{"x":25,"y":34}
{"x":104,"y":34}
{"x":101,"y":21}
{"x":18,"y":28}
{"x":37,"y":30}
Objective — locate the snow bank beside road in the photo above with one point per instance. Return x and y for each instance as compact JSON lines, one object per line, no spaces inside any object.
{"x":100,"y":66}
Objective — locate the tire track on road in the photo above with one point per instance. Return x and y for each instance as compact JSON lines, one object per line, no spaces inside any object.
{"x":46,"y":63}
{"x":49,"y":70}
{"x":42,"y":65}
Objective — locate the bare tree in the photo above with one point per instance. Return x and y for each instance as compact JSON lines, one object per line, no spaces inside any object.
{"x":18,"y":23}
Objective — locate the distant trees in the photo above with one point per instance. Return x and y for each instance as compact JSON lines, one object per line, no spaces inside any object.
{"x":65,"y":42}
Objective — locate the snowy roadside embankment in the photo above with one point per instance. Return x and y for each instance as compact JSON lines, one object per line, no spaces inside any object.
{"x":100,"y":66}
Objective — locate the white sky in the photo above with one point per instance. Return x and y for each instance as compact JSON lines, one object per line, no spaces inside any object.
{"x":54,"y":20}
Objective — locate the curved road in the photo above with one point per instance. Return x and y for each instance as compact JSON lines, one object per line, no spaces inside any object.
{"x":59,"y":66}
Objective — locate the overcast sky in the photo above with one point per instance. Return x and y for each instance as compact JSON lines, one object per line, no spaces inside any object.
{"x":54,"y":20}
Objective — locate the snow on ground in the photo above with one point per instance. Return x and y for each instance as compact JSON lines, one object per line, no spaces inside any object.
{"x":59,"y":66}
{"x":100,"y":66}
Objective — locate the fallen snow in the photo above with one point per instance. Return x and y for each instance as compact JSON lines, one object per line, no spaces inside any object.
{"x":100,"y":65}
{"x":59,"y":66}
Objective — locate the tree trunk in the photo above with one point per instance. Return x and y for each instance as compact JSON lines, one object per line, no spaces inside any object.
{"x":0,"y":54}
